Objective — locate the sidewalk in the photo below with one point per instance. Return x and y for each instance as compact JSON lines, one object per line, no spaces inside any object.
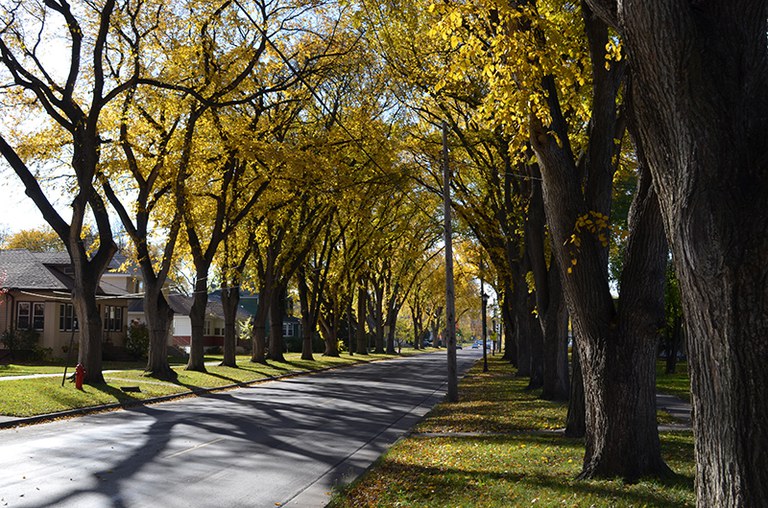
{"x":678,"y":408}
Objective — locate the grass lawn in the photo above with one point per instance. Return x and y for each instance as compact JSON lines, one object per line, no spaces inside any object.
{"x":677,"y":384}
{"x":29,"y":397}
{"x":496,"y":448}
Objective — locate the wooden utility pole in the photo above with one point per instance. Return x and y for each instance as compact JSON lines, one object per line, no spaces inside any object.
{"x":450,"y":312}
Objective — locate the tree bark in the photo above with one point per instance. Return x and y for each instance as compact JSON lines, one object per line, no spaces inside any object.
{"x":307,"y":319}
{"x":617,"y":349}
{"x":276,"y":314}
{"x":196,"y":360}
{"x":576,"y":425}
{"x":510,"y":329}
{"x":701,"y":101}
{"x":522,"y":323}
{"x":230,"y":301}
{"x":362,"y":338}
{"x":550,"y":304}
{"x":159,"y":316}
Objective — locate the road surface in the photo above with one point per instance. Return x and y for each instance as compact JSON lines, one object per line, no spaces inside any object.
{"x":281,"y":443}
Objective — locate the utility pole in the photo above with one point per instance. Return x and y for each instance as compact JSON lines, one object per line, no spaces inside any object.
{"x":450,"y":312}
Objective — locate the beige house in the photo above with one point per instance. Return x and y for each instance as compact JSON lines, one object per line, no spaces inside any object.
{"x":37,"y":289}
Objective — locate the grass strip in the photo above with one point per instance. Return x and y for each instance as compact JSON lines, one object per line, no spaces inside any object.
{"x":32,"y":397}
{"x":497,"y":448}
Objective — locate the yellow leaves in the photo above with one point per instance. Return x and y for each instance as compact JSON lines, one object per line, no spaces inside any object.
{"x":595,"y":223}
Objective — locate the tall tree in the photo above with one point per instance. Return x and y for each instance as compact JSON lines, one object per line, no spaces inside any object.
{"x":701,"y":101}
{"x":74,"y":100}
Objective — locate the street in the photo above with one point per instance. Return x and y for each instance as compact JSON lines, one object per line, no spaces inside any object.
{"x":280,"y":443}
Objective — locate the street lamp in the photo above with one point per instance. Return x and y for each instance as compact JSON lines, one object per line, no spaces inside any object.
{"x":485,"y":327}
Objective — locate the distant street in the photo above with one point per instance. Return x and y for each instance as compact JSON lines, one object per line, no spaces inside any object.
{"x":281,"y":443}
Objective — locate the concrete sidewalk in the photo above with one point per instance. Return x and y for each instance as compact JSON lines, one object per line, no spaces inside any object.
{"x":678,"y":408}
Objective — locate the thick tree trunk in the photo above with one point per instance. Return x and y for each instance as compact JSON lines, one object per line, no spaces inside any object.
{"x":230,"y":300}
{"x":89,"y":352}
{"x":391,"y":324}
{"x":276,"y":314}
{"x":362,"y":304}
{"x":330,"y":329}
{"x":701,"y":100}
{"x":617,"y":350}
{"x":510,"y":330}
{"x":196,"y":360}
{"x":522,"y":324}
{"x":378,"y":317}
{"x":537,"y":347}
{"x":576,"y":425}
{"x":552,"y":312}
{"x":555,"y":327}
{"x":307,"y":319}
{"x":673,"y":345}
{"x":259,"y":331}
{"x":159,"y":317}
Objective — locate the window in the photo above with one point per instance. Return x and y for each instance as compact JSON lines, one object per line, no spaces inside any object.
{"x":113,"y":318}
{"x":287,"y":330}
{"x":67,"y":318}
{"x":30,"y":315}
{"x":23,"y":314}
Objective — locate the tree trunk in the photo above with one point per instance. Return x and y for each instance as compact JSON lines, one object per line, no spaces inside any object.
{"x":159,"y":317}
{"x":378,"y":316}
{"x":522,"y":324}
{"x":510,"y":330}
{"x":391,"y":325}
{"x":330,"y":329}
{"x":416,"y":328}
{"x":556,"y":382}
{"x":617,"y":349}
{"x":276,"y":314}
{"x":537,"y":347}
{"x":259,"y":331}
{"x":362,"y":338}
{"x":197,"y":319}
{"x":230,"y":301}
{"x":576,"y":425}
{"x":552,"y":313}
{"x":674,"y":344}
{"x":307,"y":320}
{"x":89,"y":352}
{"x":702,"y":107}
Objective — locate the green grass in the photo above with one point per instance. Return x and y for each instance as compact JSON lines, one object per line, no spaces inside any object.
{"x":677,"y":384}
{"x":495,"y":448}
{"x":30,"y":397}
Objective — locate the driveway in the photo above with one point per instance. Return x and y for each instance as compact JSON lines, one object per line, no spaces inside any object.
{"x":281,"y":443}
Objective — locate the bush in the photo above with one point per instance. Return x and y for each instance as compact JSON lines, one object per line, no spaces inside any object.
{"x":137,"y":341}
{"x":23,"y":345}
{"x":20,"y":340}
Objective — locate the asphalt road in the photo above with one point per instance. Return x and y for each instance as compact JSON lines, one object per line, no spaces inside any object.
{"x":281,"y":443}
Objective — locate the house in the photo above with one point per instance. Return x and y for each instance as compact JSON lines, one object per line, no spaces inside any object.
{"x":37,"y":290}
{"x":181,"y":329}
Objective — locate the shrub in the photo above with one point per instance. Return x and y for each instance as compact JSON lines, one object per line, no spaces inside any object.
{"x":137,"y":341}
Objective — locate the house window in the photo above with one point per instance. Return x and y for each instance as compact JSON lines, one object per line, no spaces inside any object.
{"x":287,"y":330}
{"x":207,"y":327}
{"x":30,"y":315}
{"x":113,"y":318}
{"x":67,"y":318}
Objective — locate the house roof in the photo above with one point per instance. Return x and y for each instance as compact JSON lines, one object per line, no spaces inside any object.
{"x":25,"y":270}
{"x":182,"y":304}
{"x":38,"y":271}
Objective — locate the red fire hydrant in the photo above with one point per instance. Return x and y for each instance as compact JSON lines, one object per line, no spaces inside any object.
{"x":79,"y":376}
